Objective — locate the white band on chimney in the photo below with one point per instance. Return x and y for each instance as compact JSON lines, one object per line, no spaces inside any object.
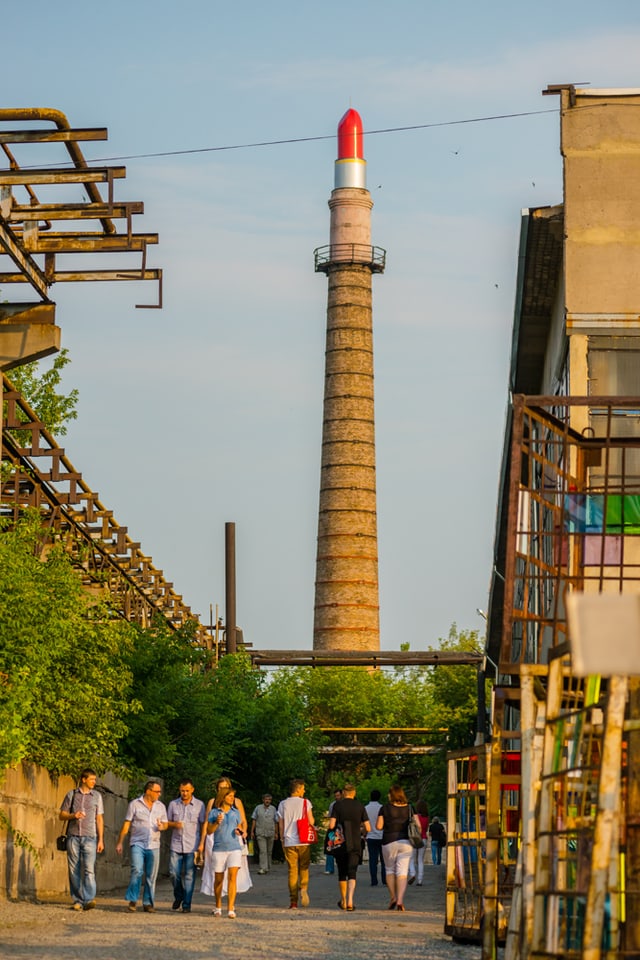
{"x":351,"y":173}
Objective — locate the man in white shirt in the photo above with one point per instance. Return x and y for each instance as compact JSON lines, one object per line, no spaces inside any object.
{"x":297,"y":855}
{"x":144,"y":821}
{"x":374,"y":840}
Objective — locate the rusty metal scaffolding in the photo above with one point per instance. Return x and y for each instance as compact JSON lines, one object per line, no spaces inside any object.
{"x":55,"y":209}
{"x":467,"y":835}
{"x":38,"y":474}
{"x":573,"y":523}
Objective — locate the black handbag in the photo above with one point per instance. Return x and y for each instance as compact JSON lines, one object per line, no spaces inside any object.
{"x":61,"y":841}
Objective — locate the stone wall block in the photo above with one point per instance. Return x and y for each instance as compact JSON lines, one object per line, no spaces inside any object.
{"x":31,"y":798}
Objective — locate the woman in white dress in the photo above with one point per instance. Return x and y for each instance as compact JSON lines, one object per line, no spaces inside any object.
{"x":244,"y":881}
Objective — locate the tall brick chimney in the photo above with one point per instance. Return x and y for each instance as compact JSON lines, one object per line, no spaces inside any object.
{"x":346,"y":615}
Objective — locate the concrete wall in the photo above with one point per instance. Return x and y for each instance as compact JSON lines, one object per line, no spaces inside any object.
{"x":601,"y":148}
{"x":30,"y":798}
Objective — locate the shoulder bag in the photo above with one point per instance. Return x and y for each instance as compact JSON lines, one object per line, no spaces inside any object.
{"x":306,"y":831}
{"x":61,"y":841}
{"x":334,"y":839}
{"x":414,"y":831}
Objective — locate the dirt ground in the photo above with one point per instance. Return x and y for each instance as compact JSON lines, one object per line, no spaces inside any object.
{"x":264,"y":928}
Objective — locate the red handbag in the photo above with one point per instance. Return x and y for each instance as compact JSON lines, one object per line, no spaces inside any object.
{"x":306,"y":831}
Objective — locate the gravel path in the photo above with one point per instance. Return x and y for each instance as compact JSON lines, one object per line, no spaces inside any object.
{"x":265,"y":927}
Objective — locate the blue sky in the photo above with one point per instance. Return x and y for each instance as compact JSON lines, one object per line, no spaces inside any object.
{"x":210,"y":410}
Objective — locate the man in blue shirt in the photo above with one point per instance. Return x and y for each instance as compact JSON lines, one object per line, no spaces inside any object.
{"x":145,"y":820}
{"x":186,"y":816}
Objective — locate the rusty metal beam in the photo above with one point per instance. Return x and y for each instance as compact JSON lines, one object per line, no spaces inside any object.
{"x":31,"y":272}
{"x":48,"y":175}
{"x":90,"y":242}
{"x":383,"y":729}
{"x":71,"y":276}
{"x":21,"y":212}
{"x":53,"y":136}
{"x":358,"y":658}
{"x":357,"y":749}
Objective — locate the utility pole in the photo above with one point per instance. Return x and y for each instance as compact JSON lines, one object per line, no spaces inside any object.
{"x":230,"y":585}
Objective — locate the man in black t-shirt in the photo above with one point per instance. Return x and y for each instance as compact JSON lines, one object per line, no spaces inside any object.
{"x":352,"y":817}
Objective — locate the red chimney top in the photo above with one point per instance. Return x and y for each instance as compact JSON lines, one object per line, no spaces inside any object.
{"x":350,"y":136}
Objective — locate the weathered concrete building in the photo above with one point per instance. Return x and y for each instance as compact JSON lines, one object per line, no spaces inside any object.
{"x":548,"y":858}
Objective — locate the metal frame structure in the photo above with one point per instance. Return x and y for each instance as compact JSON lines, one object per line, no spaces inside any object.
{"x":40,"y":475}
{"x":36,"y":232}
{"x":572,"y":508}
{"x":51,"y":213}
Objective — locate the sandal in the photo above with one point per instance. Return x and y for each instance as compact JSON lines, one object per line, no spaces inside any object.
{"x":351,"y":908}
{"x":393,"y":904}
{"x":400,"y":907}
{"x":341,"y":905}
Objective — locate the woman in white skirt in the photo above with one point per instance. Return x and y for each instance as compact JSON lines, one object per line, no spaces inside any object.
{"x":243,"y":879}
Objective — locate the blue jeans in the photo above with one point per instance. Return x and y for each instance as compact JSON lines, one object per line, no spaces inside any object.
{"x":81,"y":860}
{"x":329,"y":864}
{"x":143,"y":862}
{"x":179,"y":864}
{"x":375,"y":853}
{"x":436,"y":852}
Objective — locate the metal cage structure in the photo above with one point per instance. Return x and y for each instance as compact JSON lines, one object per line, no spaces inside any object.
{"x":572,"y":524}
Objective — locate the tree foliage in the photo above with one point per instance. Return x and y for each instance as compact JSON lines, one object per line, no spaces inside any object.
{"x":65,"y":687}
{"x":78,"y":686}
{"x":443,"y":699}
{"x":40,"y":388}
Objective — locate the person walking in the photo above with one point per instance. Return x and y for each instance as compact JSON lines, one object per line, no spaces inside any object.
{"x":263,"y":831}
{"x":329,"y":862}
{"x":243,"y":879}
{"x":417,"y":861}
{"x":352,"y":817}
{"x":145,"y":820}
{"x":225,"y":821}
{"x":374,"y":840}
{"x":393,"y":820}
{"x":297,"y":855}
{"x":83,"y":811}
{"x":185,"y":818}
{"x":438,"y":840}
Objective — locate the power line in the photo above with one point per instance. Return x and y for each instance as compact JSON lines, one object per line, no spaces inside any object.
{"x":277,"y":143}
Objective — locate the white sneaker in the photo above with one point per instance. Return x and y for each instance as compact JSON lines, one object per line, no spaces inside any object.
{"x":232,"y":914}
{"x":217,"y":911}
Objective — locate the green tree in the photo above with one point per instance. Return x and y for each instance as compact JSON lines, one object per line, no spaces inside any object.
{"x":454,"y":704}
{"x":454,"y":690}
{"x":65,"y":687}
{"x":440,"y":698}
{"x":39,"y":387}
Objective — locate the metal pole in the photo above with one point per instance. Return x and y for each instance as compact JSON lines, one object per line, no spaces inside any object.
{"x":606,"y":833}
{"x":632,"y":925}
{"x":230,"y":584}
{"x":481,"y":725}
